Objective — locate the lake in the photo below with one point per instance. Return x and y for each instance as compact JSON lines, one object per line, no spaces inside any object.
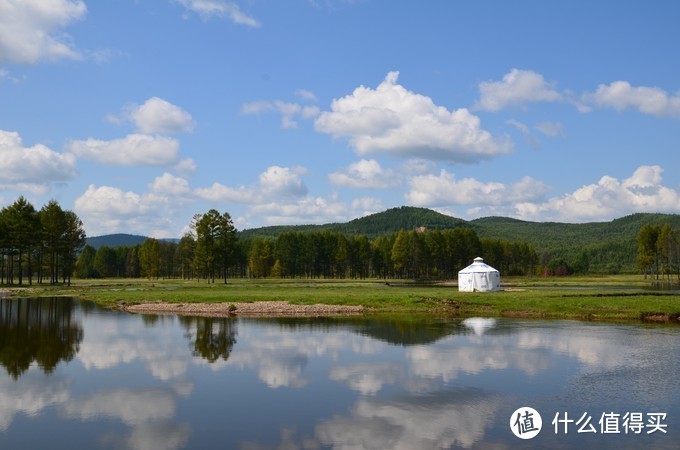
{"x":75,"y":375}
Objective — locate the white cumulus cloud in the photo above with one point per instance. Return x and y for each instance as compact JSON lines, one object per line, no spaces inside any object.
{"x":186,"y":166}
{"x":218,"y":192}
{"x":517,"y":88}
{"x":31,"y":30}
{"x":417,"y":167}
{"x":110,"y":200}
{"x":607,"y":199}
{"x":445,"y":190}
{"x":393,"y":120}
{"x":365,"y":174}
{"x":31,"y":168}
{"x":620,"y":95}
{"x":219,"y":8}
{"x":108,"y":209}
{"x":160,"y":116}
{"x":134,"y":149}
{"x":275,"y":183}
{"x":303,"y":211}
{"x":280,"y":197}
{"x":283,"y":182}
{"x":168,"y":184}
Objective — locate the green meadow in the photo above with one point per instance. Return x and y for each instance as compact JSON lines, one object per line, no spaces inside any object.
{"x":616,"y":297}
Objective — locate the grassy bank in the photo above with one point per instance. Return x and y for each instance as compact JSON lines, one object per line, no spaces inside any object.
{"x":595,"y":298}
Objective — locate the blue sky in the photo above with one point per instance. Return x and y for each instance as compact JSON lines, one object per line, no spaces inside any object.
{"x":138,"y":114}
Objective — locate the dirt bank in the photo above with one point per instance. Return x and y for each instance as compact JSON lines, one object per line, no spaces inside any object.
{"x":257,"y":309}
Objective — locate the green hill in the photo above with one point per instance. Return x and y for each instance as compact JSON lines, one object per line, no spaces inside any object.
{"x":609,"y":246}
{"x":403,"y":218}
{"x":374,"y":225}
{"x":115,"y":240}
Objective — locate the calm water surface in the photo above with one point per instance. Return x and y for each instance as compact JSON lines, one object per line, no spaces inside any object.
{"x":77,"y":376}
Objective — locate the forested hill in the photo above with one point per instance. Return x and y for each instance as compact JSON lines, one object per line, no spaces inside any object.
{"x":551,"y":235}
{"x":390,"y":221}
{"x":118,"y":240}
{"x":609,"y":246}
{"x":115,"y":240}
{"x":403,"y":218}
{"x":543,"y":235}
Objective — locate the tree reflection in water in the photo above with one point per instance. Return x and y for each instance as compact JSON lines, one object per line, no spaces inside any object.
{"x":43,"y":330}
{"x":215,"y":336}
{"x":397,"y":330}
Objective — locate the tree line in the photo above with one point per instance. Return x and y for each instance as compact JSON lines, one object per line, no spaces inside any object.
{"x":659,"y":251}
{"x":40,"y":244}
{"x":212,"y":251}
{"x":209,"y":251}
{"x":46,"y":246}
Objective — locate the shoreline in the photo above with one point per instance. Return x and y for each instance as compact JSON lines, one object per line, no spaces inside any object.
{"x":613,"y":298}
{"x":242,"y":309}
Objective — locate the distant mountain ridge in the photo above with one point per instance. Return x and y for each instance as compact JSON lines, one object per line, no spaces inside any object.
{"x":115,"y":240}
{"x":118,"y":240}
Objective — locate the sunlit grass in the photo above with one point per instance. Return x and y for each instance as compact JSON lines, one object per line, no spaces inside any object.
{"x":619,"y":297}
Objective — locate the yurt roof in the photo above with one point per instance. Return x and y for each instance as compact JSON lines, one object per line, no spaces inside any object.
{"x":478,"y":266}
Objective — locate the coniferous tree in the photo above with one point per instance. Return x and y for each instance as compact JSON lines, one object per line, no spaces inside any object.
{"x":666,"y":244}
{"x":340,"y":256}
{"x":400,"y":255}
{"x":215,"y":244}
{"x":149,"y":258}
{"x":132,"y":266}
{"x":260,"y":259}
{"x":648,"y":250}
{"x":23,"y":225}
{"x":85,"y":264}
{"x":226,"y":244}
{"x":72,"y":240}
{"x":185,"y":255}
{"x":105,"y":262}
{"x":53,"y":223}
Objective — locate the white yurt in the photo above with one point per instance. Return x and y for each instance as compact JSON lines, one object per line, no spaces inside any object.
{"x":479,"y":276}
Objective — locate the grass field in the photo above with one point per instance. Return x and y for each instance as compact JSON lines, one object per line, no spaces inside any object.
{"x":620,"y":297}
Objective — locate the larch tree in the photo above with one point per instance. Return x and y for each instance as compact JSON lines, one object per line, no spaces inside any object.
{"x":149,"y":258}
{"x":185,"y":255}
{"x":215,"y":244}
{"x":648,"y":250}
{"x":71,"y":242}
{"x":53,"y":222}
{"x":23,"y":227}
